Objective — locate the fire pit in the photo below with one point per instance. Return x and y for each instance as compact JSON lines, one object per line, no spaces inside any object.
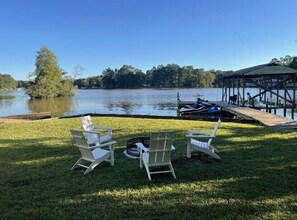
{"x":132,"y":150}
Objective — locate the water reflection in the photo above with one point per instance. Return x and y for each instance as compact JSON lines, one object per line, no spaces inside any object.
{"x":165,"y":105}
{"x":6,"y":101}
{"x":7,"y":97}
{"x":110,"y":106}
{"x":57,"y":106}
{"x":126,"y":106}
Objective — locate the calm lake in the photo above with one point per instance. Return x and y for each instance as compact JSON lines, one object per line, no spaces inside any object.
{"x":161,"y":102}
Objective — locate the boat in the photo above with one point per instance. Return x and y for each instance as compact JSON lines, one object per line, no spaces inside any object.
{"x":200,"y":107}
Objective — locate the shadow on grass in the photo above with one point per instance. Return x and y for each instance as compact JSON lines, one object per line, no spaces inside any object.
{"x":253,"y":172}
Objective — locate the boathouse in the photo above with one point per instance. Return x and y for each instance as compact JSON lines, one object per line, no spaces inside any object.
{"x":275,"y":83}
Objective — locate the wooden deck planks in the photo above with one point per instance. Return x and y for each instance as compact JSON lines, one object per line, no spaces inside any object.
{"x":264,"y":118}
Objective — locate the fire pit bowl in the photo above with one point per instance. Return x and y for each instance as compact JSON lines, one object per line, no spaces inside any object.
{"x":132,"y":150}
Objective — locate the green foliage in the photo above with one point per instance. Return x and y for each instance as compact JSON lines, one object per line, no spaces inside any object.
{"x":7,"y":82}
{"x":169,"y":76}
{"x":90,"y":82}
{"x":205,"y":79}
{"x":126,"y":77}
{"x":109,"y":78}
{"x":172,"y":75}
{"x":165,"y":76}
{"x":48,"y":82}
{"x":256,"y":178}
{"x":129,"y":77}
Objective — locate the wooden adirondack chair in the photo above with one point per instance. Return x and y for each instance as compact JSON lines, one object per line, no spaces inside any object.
{"x":194,"y":141}
{"x":158,"y":154}
{"x":105,"y":132}
{"x":91,"y":155}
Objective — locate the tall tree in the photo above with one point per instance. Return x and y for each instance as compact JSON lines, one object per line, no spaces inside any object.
{"x":130,"y":77}
{"x":205,"y":79}
{"x":48,"y":82}
{"x":189,"y":78}
{"x":108,"y":78}
{"x":166,"y":76}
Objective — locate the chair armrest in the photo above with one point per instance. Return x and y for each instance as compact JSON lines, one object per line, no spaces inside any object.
{"x":107,"y":144}
{"x":111,"y":144}
{"x":142,"y":147}
{"x":198,"y":136}
{"x":90,"y":132}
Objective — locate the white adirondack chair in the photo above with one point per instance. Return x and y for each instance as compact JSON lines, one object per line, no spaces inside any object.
{"x":85,"y":134}
{"x":158,"y":154}
{"x":105,"y":132}
{"x":90,"y":156}
{"x":195,"y":142}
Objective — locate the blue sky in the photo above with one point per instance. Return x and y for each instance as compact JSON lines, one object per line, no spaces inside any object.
{"x":97,"y":34}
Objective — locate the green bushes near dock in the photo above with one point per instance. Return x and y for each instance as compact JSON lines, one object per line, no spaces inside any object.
{"x":256,"y":178}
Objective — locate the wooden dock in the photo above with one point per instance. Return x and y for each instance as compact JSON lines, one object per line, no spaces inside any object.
{"x":265,"y":118}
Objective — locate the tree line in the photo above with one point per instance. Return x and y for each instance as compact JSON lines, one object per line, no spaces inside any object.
{"x":162,"y":76}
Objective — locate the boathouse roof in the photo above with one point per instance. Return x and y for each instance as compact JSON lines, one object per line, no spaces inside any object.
{"x":262,"y":70}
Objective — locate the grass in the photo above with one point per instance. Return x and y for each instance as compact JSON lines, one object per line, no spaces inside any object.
{"x":256,"y":178}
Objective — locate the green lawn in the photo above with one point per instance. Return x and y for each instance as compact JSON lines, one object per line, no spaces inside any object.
{"x":256,"y":178}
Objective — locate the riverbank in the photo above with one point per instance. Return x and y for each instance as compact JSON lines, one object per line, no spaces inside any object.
{"x":47,"y":115}
{"x":24,"y":117}
{"x":9,"y":121}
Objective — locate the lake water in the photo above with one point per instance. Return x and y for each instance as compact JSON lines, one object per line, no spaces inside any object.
{"x":116,"y":101}
{"x":162,"y":102}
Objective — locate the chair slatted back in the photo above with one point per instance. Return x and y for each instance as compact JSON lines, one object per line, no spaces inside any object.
{"x":160,"y":147}
{"x":82,"y":143}
{"x":87,"y":123}
{"x":88,"y":126}
{"x":214,"y":131}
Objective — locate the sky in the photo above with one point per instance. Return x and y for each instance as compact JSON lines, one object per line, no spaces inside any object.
{"x":100,"y":34}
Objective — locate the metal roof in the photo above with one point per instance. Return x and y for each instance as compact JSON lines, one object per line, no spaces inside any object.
{"x":262,"y":70}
